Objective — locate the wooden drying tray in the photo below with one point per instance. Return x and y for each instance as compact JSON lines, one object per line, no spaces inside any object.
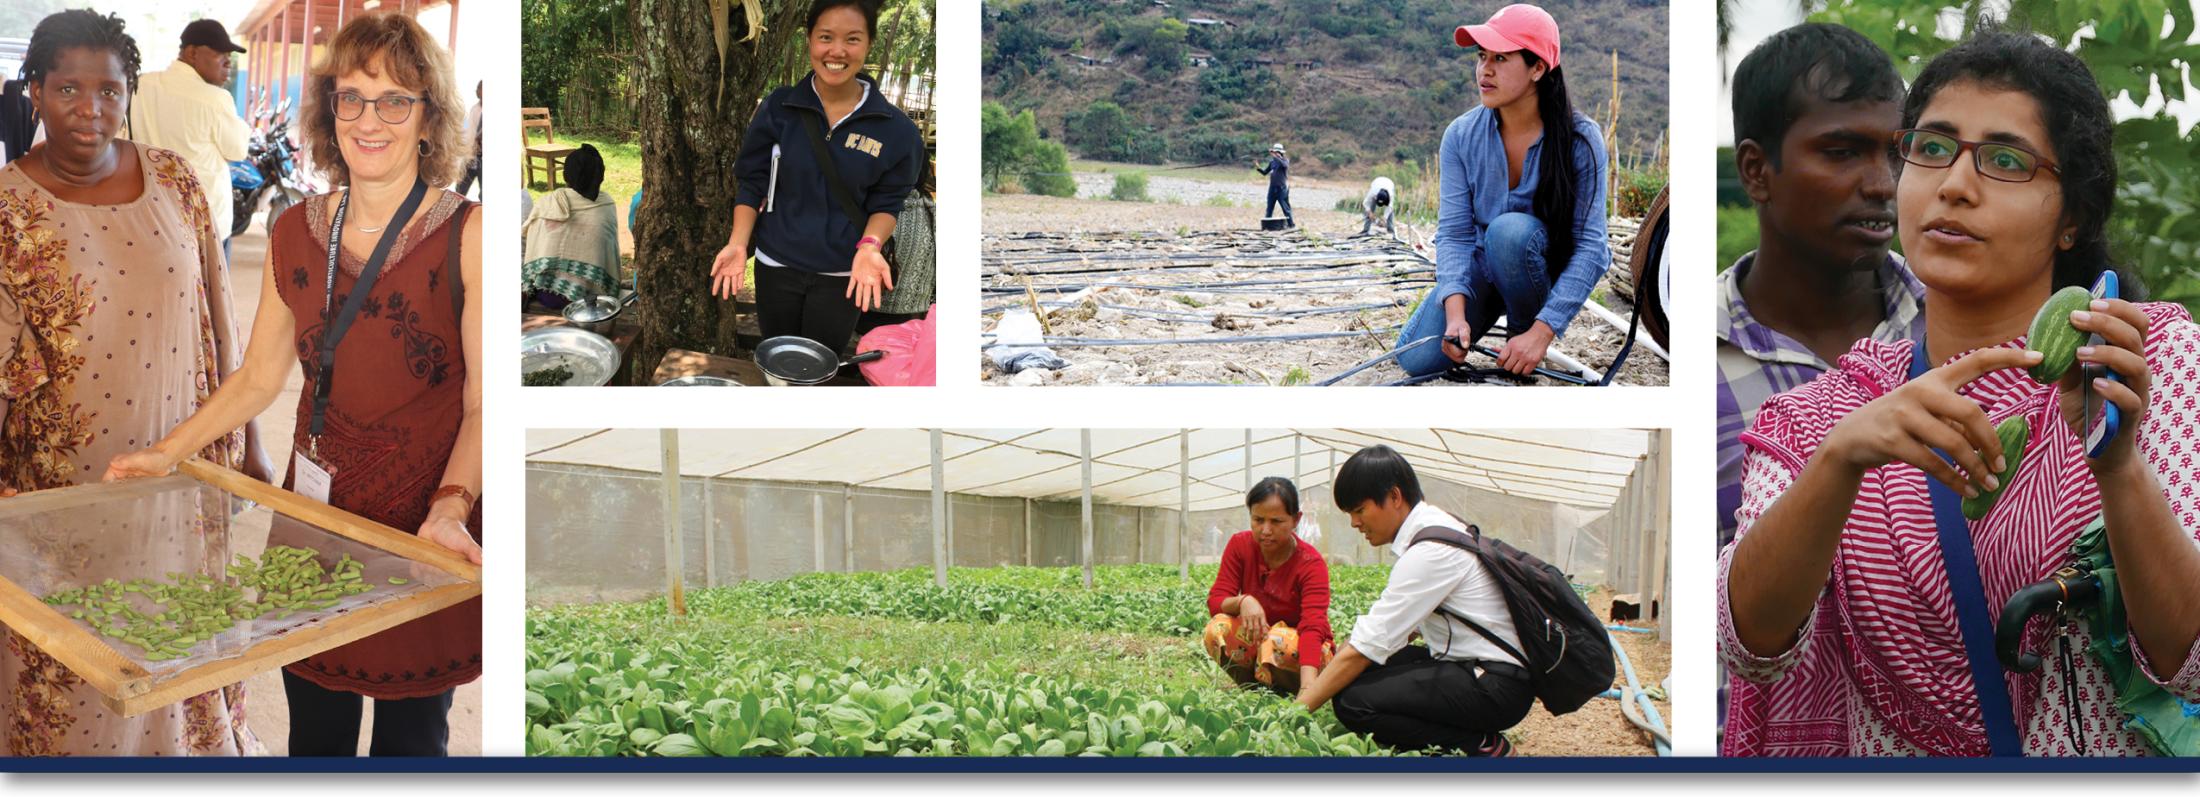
{"x":132,"y":690}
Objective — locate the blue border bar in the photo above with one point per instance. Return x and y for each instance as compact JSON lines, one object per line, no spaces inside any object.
{"x":514,"y":764}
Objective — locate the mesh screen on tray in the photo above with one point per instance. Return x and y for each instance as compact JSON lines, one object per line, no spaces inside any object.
{"x":160,"y":559}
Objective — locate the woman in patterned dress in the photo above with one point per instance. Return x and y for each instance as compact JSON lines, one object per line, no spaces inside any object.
{"x":402,"y":440}
{"x":1836,"y":614}
{"x":114,"y":326}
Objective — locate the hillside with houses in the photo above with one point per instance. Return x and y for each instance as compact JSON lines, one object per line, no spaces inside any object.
{"x":1347,"y":85}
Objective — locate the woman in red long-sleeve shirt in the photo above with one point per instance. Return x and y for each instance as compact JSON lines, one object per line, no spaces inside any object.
{"x":1270,"y":600}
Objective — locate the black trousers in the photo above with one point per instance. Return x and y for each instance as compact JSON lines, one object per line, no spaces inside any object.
{"x":325,"y":722}
{"x":791,"y":301}
{"x":1417,"y":702}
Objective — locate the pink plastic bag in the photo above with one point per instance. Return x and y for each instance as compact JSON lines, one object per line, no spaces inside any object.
{"x":909,"y":359}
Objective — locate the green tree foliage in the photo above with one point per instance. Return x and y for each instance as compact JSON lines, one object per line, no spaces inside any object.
{"x":575,"y":45}
{"x":1049,"y":172}
{"x":1164,"y":48}
{"x":1130,"y":187}
{"x":1011,"y":148}
{"x":1240,"y":81}
{"x":2156,"y":222}
{"x":1103,"y":130}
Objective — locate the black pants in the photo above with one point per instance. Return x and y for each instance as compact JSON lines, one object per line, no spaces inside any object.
{"x":325,"y":722}
{"x":790,"y":301}
{"x":1280,"y":196}
{"x":1418,"y":702}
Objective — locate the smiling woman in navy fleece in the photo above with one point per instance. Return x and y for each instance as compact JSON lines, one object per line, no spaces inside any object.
{"x":818,"y":269}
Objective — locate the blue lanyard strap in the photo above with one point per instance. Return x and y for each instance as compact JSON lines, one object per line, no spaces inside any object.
{"x":1972,"y":617}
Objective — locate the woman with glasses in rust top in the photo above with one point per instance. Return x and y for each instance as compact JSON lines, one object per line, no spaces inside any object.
{"x":375,"y":289}
{"x":1853,"y":599}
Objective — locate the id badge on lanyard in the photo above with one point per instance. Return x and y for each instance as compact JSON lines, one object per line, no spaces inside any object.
{"x":311,"y":466}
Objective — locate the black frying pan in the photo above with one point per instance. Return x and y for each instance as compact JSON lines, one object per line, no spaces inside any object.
{"x":795,"y":360}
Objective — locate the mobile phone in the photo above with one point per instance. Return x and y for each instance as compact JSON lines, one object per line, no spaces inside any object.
{"x":2102,"y":417}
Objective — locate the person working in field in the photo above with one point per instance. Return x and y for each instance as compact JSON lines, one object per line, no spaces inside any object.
{"x":1464,"y":689}
{"x":1520,"y":222}
{"x":1270,"y":599}
{"x":1382,"y":197}
{"x":1278,"y":170}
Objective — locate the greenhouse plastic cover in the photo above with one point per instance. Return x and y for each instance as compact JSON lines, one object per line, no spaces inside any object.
{"x":1130,"y":467}
{"x":770,"y":504}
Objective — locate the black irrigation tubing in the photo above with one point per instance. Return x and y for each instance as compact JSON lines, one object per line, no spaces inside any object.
{"x":1045,"y":275}
{"x":1202,"y":317}
{"x":1076,"y":343}
{"x":1415,"y":380}
{"x":1388,"y":355}
{"x":1196,"y":287}
{"x":1197,"y":260}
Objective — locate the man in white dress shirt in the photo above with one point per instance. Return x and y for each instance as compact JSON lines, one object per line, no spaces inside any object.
{"x":187,"y":108}
{"x":1461,"y":691}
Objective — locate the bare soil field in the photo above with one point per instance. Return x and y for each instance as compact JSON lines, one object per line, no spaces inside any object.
{"x":1152,"y":293}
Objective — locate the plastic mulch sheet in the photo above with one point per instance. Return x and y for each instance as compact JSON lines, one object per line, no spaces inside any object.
{"x":177,"y":525}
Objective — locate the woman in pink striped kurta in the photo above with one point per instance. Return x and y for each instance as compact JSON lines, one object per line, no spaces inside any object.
{"x":1835,"y":613}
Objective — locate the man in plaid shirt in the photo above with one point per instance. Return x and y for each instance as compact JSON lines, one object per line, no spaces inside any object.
{"x":1815,"y":110}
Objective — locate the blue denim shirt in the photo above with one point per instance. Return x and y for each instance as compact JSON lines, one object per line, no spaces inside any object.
{"x":1472,"y":161}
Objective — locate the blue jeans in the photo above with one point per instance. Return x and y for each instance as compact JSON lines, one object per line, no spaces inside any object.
{"x":1512,"y":280}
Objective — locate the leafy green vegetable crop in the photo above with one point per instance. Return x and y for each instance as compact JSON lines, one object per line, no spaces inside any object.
{"x":1004,"y":661}
{"x":194,"y":608}
{"x":1145,"y":598}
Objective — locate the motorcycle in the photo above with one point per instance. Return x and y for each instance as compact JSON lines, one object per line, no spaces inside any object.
{"x":269,"y":170}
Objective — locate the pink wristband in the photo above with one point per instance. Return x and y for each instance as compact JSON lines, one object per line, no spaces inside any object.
{"x":868,"y":239}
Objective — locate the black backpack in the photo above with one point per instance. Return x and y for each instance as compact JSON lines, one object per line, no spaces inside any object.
{"x":1564,"y":646}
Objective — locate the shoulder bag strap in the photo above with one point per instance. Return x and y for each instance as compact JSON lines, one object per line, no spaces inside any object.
{"x":825,"y":163}
{"x":1972,"y":617}
{"x":1459,"y":539}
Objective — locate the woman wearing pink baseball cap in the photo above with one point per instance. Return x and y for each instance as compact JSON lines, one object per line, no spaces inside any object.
{"x":1520,"y":224}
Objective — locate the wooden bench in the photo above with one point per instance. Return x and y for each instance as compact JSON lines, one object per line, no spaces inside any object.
{"x":550,"y":153}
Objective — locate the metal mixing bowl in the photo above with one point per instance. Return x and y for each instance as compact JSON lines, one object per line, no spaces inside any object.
{"x":591,"y":357}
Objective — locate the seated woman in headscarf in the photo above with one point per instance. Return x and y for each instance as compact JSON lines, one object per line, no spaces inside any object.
{"x":572,"y":237}
{"x":1270,"y":600}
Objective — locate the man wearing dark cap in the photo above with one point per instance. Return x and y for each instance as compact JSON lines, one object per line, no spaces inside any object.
{"x":187,"y":108}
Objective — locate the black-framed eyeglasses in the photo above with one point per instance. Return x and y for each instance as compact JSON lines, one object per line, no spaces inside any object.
{"x":2008,"y":163}
{"x":391,"y":109}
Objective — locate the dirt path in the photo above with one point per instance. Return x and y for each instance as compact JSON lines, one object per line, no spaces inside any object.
{"x":1105,"y":270}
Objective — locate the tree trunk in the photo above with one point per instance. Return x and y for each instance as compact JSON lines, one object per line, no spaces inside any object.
{"x":689,"y":140}
{"x":893,"y":37}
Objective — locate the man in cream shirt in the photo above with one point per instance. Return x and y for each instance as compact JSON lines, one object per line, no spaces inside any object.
{"x":186,"y":108}
{"x":1461,"y":691}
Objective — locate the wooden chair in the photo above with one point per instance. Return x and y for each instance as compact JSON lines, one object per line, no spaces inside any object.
{"x":550,"y":153}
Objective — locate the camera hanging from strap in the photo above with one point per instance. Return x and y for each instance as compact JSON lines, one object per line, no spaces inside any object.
{"x":335,"y":326}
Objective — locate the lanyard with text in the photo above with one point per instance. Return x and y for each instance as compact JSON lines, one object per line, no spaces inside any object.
{"x":334,"y":327}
